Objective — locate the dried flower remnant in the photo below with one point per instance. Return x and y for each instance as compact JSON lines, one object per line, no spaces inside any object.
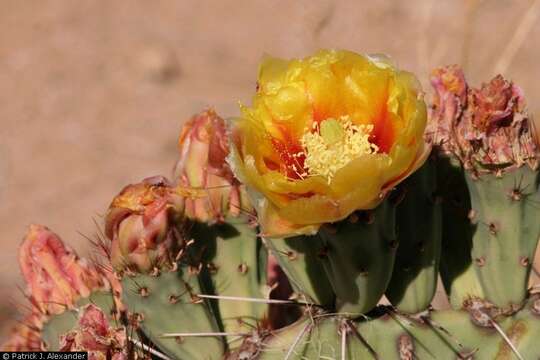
{"x":487,"y":129}
{"x":55,"y":276}
{"x":95,"y":335}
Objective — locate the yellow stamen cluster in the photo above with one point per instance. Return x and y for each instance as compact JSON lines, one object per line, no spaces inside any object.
{"x":332,"y":146}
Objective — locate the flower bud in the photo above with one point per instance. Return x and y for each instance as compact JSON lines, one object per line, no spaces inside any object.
{"x":140,"y":224}
{"x":56,"y":277}
{"x":204,"y":147}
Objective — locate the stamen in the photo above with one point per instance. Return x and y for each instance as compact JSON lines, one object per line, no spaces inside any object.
{"x":333,"y":145}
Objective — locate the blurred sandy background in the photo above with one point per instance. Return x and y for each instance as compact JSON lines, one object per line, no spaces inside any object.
{"x":93,"y":93}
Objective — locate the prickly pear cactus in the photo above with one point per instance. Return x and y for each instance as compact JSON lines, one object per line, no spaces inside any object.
{"x":148,"y":252}
{"x":446,"y":334}
{"x":334,"y":153}
{"x":491,"y":135}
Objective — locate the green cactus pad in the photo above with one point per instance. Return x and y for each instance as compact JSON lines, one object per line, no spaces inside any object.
{"x":505,"y":211}
{"x":234,"y":265}
{"x":299,"y":257}
{"x":388,"y":338}
{"x":359,"y":258}
{"x":314,"y":339}
{"x":419,"y":222}
{"x":456,"y":268}
{"x":167,"y":303}
{"x":442,"y":335}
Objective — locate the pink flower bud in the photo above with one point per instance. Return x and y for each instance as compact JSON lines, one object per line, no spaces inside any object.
{"x":204,"y":147}
{"x":140,"y":223}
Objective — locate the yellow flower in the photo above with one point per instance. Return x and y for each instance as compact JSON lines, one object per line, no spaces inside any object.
{"x":325,"y":136}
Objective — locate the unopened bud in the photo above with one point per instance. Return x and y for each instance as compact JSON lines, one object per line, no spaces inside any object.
{"x":140,"y":224}
{"x":204,"y":147}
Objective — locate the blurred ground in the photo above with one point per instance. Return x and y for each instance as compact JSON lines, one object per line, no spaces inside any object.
{"x":93,"y":92}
